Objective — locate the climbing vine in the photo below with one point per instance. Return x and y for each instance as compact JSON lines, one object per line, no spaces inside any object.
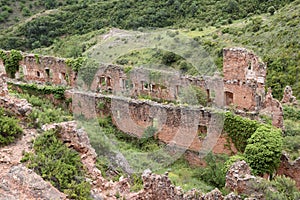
{"x":11,"y":61}
{"x":76,"y":63}
{"x":239,"y":129}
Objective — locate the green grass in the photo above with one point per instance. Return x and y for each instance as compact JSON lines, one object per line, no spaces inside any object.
{"x":142,"y":154}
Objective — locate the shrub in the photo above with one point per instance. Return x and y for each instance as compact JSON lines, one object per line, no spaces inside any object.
{"x":291,"y":113}
{"x":213,"y":173}
{"x":263,"y":150}
{"x":280,"y":188}
{"x":291,"y":144}
{"x":271,"y":10}
{"x":59,"y":165}
{"x":9,"y":129}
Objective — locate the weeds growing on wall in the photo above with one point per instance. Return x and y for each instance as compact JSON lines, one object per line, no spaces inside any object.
{"x":57,"y":91}
{"x":11,"y":61}
{"x":76,"y":63}
{"x":44,"y":112}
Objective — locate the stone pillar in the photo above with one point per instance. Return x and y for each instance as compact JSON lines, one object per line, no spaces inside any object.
{"x":288,"y":96}
{"x":3,"y":85}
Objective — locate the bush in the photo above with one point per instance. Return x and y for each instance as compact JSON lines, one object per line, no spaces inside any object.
{"x":291,"y":144}
{"x":291,"y":113}
{"x":9,"y":129}
{"x":59,"y":165}
{"x":263,"y":150}
{"x":213,"y":173}
{"x":271,"y":10}
{"x":280,"y":188}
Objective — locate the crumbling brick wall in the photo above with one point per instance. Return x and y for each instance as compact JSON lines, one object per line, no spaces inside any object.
{"x":143,"y":82}
{"x":46,"y":69}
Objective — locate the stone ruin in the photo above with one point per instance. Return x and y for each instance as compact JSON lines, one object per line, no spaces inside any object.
{"x":19,"y":107}
{"x":290,"y":168}
{"x":154,"y":186}
{"x":288,"y":97}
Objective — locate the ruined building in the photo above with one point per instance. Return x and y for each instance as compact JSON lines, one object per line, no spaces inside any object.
{"x":242,"y":87}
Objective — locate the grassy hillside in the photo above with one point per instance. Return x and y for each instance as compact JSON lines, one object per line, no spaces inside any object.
{"x":275,"y":38}
{"x":269,"y":28}
{"x":85,"y":16}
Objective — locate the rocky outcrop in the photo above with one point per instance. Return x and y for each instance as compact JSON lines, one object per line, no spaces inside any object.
{"x":290,"y":169}
{"x":288,"y":97}
{"x":78,"y":139}
{"x":238,"y":177}
{"x":20,"y":107}
{"x":23,"y":183}
{"x":160,"y":187}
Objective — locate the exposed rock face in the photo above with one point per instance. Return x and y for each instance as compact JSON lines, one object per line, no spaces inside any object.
{"x":290,"y":169}
{"x":18,"y":182}
{"x":273,"y":108}
{"x":238,"y":177}
{"x":19,"y":107}
{"x":288,"y":97}
{"x":78,"y":139}
{"x":23,"y":183}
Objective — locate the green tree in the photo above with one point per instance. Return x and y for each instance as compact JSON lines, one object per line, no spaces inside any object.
{"x":264,"y":149}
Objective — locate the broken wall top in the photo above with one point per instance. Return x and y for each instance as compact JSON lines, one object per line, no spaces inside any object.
{"x":241,"y":64}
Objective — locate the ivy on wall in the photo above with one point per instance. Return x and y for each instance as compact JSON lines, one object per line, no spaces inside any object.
{"x":261,"y":143}
{"x":11,"y":61}
{"x":263,"y":150}
{"x":239,"y":129}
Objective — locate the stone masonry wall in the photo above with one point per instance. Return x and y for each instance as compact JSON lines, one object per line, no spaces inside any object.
{"x":244,"y":79}
{"x":183,"y":126}
{"x":44,"y":69}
